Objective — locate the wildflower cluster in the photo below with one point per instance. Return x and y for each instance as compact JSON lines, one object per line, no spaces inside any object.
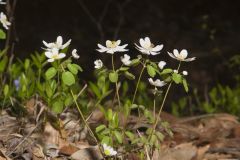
{"x":53,"y":75}
{"x":112,"y":133}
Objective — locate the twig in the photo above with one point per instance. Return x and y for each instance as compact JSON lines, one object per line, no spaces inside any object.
{"x":145,"y":147}
{"x":24,"y":139}
{"x":186,"y":120}
{"x":97,"y":22}
{"x":104,"y":11}
{"x":10,"y":12}
{"x":120,"y":9}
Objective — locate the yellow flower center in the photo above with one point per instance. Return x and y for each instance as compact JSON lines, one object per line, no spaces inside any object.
{"x":180,"y":57}
{"x":107,"y":152}
{"x":55,"y":56}
{"x":149,"y":48}
{"x":113,"y":44}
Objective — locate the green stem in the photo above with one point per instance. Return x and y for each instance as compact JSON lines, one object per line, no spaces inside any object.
{"x":160,"y":110}
{"x":39,"y":75}
{"x":116,"y":84}
{"x":136,"y":89}
{"x":154,"y":103}
{"x":83,"y":118}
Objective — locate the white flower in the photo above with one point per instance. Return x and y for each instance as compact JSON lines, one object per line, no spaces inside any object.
{"x":112,"y":47}
{"x":58,"y":44}
{"x":98,"y":64}
{"x":156,"y":83}
{"x":175,"y":71}
{"x":54,"y":55}
{"x":74,"y":54}
{"x":182,"y":56}
{"x":4,"y":20}
{"x":161,"y":64}
{"x":147,"y":47}
{"x":108,"y":150}
{"x":1,"y":2}
{"x":185,"y":73}
{"x":126,"y":60}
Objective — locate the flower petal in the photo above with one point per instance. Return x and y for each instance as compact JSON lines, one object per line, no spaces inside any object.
{"x":147,"y":42}
{"x":154,"y":53}
{"x":161,"y":64}
{"x":61,"y":55}
{"x":50,"y":60}
{"x":142,"y":42}
{"x":190,"y":59}
{"x":48,"y":54}
{"x":108,"y":43}
{"x":171,"y":55}
{"x":184,"y":53}
{"x":66,"y":44}
{"x":176,"y":53}
{"x":101,"y":46}
{"x":118,"y":42}
{"x":151,"y":81}
{"x":59,"y":41}
{"x":157,"y":48}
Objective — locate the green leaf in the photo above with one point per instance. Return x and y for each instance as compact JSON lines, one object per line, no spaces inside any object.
{"x":3,"y":63}
{"x":68,"y":78}
{"x":2,"y":34}
{"x":115,"y":120}
{"x":136,"y":140}
{"x":113,"y":77}
{"x":129,"y":75}
{"x":48,"y":90}
{"x":109,"y":114}
{"x":149,"y":131}
{"x":151,"y":71}
{"x":6,"y":90}
{"x":105,"y":140}
{"x":160,"y":136}
{"x":95,"y":89}
{"x":72,"y":68}
{"x":143,"y":139}
{"x":185,"y":85}
{"x":26,"y":64}
{"x":153,"y":139}
{"x":3,"y":52}
{"x":135,"y":62}
{"x":118,"y":135}
{"x":100,"y":128}
{"x":53,"y":85}
{"x":68,"y":101}
{"x":166,"y":71}
{"x":130,"y":135}
{"x":149,"y":115}
{"x":123,"y":68}
{"x":50,"y":73}
{"x":177,"y":78}
{"x":57,"y":107}
{"x":78,"y":67}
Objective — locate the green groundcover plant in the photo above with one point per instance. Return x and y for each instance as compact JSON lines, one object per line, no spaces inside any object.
{"x":54,"y":76}
{"x":220,"y":98}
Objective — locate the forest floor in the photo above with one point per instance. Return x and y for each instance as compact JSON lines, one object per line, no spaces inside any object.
{"x":204,"y":137}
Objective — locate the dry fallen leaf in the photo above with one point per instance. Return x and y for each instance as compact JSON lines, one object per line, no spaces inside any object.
{"x":91,"y":153}
{"x":201,"y":152}
{"x":37,"y":153}
{"x":68,"y":150}
{"x":3,"y":156}
{"x":51,"y":135}
{"x":184,"y":151}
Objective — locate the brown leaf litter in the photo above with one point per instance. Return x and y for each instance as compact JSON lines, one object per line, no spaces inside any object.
{"x":205,"y":137}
